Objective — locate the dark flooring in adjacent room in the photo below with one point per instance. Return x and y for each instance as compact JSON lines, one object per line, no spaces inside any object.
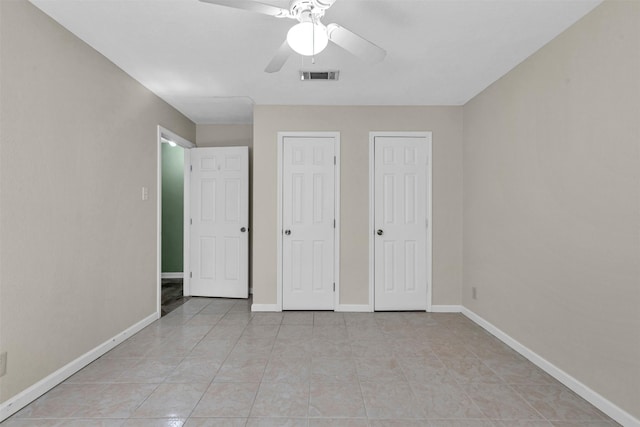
{"x":172,"y":297}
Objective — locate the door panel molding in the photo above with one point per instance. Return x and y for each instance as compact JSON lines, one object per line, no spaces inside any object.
{"x":219,"y":197}
{"x":280,"y":153}
{"x":429,"y":229}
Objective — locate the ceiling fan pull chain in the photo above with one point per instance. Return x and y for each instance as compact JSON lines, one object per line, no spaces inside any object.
{"x":313,"y":39}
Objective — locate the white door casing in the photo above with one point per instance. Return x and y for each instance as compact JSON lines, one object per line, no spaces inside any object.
{"x":401,"y":229}
{"x":308,"y":214}
{"x":219,"y":230}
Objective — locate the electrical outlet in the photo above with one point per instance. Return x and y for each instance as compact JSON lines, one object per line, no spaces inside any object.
{"x":474,"y":292}
{"x":3,"y":363}
{"x":145,"y":193}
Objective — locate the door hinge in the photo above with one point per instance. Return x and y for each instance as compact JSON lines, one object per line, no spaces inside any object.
{"x":334,"y":223}
{"x":191,"y":168}
{"x":334,"y":160}
{"x":334,"y":286}
{"x":190,"y":221}
{"x":426,"y":221}
{"x":191,"y":275}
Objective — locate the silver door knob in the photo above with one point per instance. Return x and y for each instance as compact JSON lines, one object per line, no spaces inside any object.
{"x":287,"y":232}
{"x":243,"y":229}
{"x":380,"y":232}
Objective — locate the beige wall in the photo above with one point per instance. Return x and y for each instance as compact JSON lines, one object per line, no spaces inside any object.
{"x":552,"y":207}
{"x":354,"y":125}
{"x":77,"y":243}
{"x":224,"y":136}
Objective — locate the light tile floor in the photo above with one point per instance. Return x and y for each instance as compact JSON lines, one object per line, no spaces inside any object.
{"x":212,"y":362}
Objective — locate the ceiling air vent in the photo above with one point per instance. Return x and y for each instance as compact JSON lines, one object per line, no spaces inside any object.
{"x":319,"y":75}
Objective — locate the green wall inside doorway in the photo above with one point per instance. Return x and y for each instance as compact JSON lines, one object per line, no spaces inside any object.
{"x":172,"y":208}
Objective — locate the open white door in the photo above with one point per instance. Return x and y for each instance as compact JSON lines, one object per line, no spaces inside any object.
{"x":401,"y":206}
{"x":308,"y":222}
{"x":219,"y":200}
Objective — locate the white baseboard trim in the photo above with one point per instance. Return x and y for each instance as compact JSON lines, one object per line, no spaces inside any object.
{"x":27,"y":396}
{"x":354,"y":308}
{"x":178,"y":275}
{"x":597,"y":400}
{"x":265,"y":307}
{"x":446,"y":309}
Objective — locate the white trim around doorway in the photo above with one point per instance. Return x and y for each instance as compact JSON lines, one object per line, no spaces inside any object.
{"x":186,"y":233}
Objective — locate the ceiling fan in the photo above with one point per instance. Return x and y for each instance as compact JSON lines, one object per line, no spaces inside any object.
{"x":309,"y":36}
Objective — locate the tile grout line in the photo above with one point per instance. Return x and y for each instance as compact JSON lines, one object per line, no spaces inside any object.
{"x":181,"y":360}
{"x":218,"y":370}
{"x":255,"y":397}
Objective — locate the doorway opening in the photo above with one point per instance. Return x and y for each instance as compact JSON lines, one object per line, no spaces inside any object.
{"x":171,"y":200}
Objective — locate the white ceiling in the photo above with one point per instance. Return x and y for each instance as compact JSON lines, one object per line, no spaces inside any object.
{"x":208,"y":60}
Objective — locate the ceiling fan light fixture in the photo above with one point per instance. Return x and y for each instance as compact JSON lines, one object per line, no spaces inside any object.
{"x":307,"y":38}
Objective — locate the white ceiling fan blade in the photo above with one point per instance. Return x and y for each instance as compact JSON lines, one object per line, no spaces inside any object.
{"x":279,"y":59}
{"x":325,"y":4}
{"x":355,"y":44}
{"x":252,"y":6}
